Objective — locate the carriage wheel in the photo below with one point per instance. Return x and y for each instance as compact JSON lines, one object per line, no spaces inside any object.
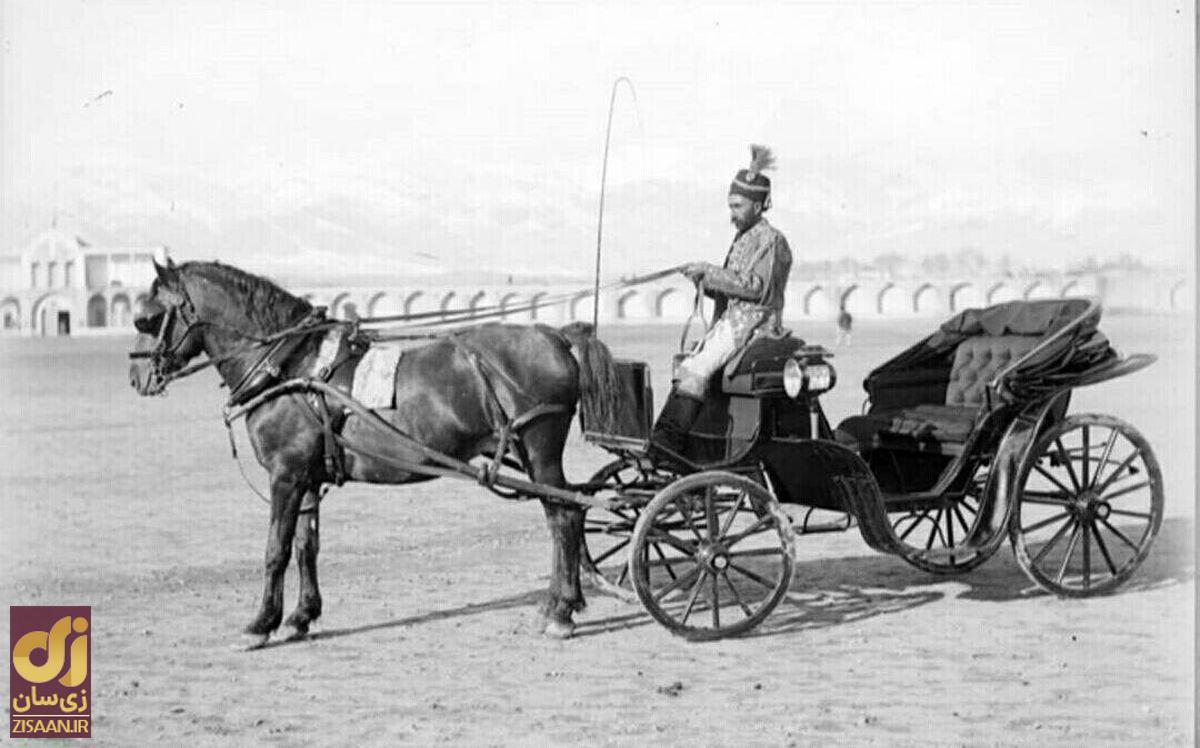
{"x":711,"y":555}
{"x":944,"y":539}
{"x":607,"y":532}
{"x":1089,"y":503}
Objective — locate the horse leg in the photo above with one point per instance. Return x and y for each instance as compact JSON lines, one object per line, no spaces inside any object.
{"x":544,"y":442}
{"x":307,"y":545}
{"x":286,"y":493}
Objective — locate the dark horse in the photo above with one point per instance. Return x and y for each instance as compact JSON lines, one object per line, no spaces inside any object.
{"x":444,"y":400}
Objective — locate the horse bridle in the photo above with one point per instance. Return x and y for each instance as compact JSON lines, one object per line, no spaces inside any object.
{"x":162,"y":355}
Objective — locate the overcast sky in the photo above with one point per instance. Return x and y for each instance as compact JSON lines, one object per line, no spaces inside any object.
{"x":979,"y":111}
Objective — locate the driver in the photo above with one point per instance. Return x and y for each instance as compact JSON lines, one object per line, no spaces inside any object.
{"x":747,"y":291}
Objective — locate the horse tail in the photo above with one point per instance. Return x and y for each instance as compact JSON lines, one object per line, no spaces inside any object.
{"x":599,"y":384}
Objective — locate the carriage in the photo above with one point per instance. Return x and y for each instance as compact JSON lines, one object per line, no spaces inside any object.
{"x":965,"y":440}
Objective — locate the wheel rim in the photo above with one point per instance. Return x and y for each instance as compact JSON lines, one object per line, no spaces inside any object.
{"x":931,"y":531}
{"x":710,"y":558}
{"x":608,"y":532}
{"x":1090,"y":506}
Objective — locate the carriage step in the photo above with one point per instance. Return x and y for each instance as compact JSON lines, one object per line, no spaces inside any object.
{"x":907,"y":502}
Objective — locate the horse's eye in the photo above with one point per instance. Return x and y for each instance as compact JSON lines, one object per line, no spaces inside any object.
{"x":148,"y":323}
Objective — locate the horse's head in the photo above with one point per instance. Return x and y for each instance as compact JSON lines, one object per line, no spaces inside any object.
{"x":168,"y":333}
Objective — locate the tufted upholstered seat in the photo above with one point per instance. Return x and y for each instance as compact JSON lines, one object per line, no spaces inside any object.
{"x":942,"y":427}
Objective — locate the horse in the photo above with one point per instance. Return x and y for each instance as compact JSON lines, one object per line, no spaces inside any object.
{"x":444,"y":400}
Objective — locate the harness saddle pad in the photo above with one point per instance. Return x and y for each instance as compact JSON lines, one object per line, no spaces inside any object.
{"x":375,"y":376}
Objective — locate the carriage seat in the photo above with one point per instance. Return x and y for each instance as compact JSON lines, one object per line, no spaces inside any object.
{"x":941,"y":427}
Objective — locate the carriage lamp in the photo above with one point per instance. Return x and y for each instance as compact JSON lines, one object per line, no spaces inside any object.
{"x":810,"y":378}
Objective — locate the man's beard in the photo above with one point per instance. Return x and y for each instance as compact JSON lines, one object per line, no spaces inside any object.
{"x":743,"y":225}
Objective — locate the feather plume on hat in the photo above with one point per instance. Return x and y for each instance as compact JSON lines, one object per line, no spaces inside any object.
{"x":761,"y":159}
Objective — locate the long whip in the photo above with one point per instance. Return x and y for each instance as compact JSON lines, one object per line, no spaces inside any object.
{"x":603,"y":179}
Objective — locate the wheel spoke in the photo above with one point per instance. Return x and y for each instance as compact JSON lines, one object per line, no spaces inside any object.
{"x":966,"y":526}
{"x":1062,"y":570}
{"x":747,"y":573}
{"x":736,"y":596}
{"x":751,"y":530}
{"x":666,"y":564}
{"x":677,"y":583}
{"x":1054,"y":539}
{"x":1127,"y":513}
{"x":733,"y":514}
{"x":915,"y":523}
{"x":757,"y":552}
{"x":1062,"y":455}
{"x":1045,"y":473}
{"x":1087,"y":549}
{"x":710,"y":515}
{"x":603,"y":556}
{"x":936,"y":531}
{"x":1083,"y":480}
{"x":716,"y":603}
{"x":671,"y":540}
{"x":1120,"y":535}
{"x":687,"y":518}
{"x":1104,"y":550}
{"x":964,"y":504}
{"x":1125,"y":490}
{"x":1117,"y":473}
{"x":1045,"y":497}
{"x":949,"y":527}
{"x":691,"y":602}
{"x":1108,"y":445}
{"x":1042,"y":523}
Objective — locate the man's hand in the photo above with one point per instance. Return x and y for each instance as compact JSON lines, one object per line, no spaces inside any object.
{"x":694,"y":271}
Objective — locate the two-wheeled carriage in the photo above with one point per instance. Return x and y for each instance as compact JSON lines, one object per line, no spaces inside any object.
{"x":967,"y":440}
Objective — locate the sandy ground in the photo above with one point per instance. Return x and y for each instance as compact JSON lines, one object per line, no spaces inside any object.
{"x":133,"y":506}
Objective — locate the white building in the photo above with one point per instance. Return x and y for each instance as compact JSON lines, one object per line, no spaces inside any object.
{"x":59,"y":284}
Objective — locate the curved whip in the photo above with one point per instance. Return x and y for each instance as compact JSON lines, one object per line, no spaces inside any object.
{"x":603,"y":179}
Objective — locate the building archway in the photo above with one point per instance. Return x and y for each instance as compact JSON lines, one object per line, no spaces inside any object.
{"x":630,"y":306}
{"x":477,"y":301}
{"x":581,"y":307}
{"x":120,"y":312}
{"x":10,"y":314}
{"x":672,"y":305}
{"x":966,"y":296}
{"x":856,"y":301}
{"x":927,"y":300}
{"x":51,"y":315}
{"x":892,"y":301}
{"x":97,"y":311}
{"x":416,"y":302}
{"x":535,"y":305}
{"x":1002,"y":292}
{"x":1179,"y":296}
{"x":1039,"y":290}
{"x":508,"y":301}
{"x":336,"y":307}
{"x":139,"y":304}
{"x":817,"y":303}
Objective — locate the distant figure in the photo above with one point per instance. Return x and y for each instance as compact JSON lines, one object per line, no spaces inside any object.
{"x":844,"y":323}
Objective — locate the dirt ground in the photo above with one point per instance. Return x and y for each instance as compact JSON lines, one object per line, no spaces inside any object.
{"x":134,"y":507}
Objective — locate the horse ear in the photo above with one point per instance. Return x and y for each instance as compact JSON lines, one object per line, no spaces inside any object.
{"x":166,"y":275}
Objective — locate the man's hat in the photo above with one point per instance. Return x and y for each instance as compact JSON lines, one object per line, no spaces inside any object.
{"x":751,"y":183}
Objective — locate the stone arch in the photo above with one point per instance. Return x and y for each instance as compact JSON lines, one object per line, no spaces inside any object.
{"x":120,"y":312}
{"x":1038,"y":290}
{"x":47,"y":315}
{"x":581,"y":307}
{"x":631,"y":305}
{"x":417,"y":302}
{"x":447,"y":303}
{"x":817,"y":303}
{"x":892,"y":301}
{"x":1072,"y":287}
{"x":508,"y":301}
{"x":926,"y":299}
{"x":10,"y":314}
{"x":139,"y":304}
{"x":477,"y":300}
{"x":337,"y":304}
{"x":856,"y":301}
{"x":1002,"y":292}
{"x":97,"y":311}
{"x":672,"y":305}
{"x":534,"y":302}
{"x":966,"y":296}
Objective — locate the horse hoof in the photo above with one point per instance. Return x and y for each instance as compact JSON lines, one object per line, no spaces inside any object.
{"x":558,"y":630}
{"x":250,"y":642}
{"x":294,"y":633}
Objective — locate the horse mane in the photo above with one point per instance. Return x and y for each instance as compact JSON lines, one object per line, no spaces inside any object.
{"x":266,"y":305}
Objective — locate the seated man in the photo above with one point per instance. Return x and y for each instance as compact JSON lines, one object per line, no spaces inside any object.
{"x":748,"y":295}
